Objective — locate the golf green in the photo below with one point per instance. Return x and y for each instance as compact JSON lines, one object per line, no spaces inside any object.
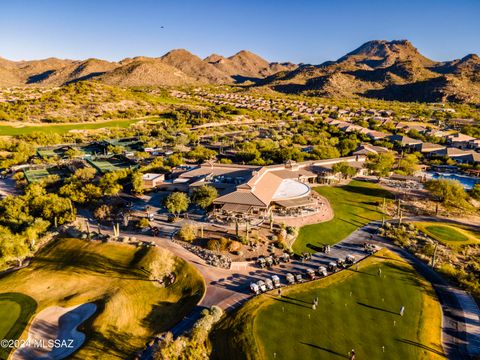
{"x":9,"y":313}
{"x":15,"y":312}
{"x":453,"y":235}
{"x":357,"y":309}
{"x":446,"y":233}
{"x":354,"y":205}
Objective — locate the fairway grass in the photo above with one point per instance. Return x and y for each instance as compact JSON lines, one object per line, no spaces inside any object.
{"x":357,"y":310}
{"x":448,"y":234}
{"x":131,"y":308}
{"x":9,"y":130}
{"x":354,"y":205}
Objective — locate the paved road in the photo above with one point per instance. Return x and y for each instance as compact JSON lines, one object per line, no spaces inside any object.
{"x":229,"y":289}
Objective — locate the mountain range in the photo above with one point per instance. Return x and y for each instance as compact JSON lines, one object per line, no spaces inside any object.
{"x":391,"y":70}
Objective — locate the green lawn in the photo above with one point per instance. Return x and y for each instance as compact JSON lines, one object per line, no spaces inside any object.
{"x":354,"y":205}
{"x":448,"y":234}
{"x":15,"y":312}
{"x":63,"y":128}
{"x":357,"y":310}
{"x":131,"y":307}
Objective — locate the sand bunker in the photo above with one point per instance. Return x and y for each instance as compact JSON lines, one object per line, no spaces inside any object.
{"x":53,"y":333}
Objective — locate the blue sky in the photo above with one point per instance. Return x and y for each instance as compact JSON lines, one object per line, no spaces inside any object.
{"x":299,"y":30}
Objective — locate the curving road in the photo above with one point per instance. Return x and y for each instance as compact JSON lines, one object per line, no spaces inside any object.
{"x":229,"y":289}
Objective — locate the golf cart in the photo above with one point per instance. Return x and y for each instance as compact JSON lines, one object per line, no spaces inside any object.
{"x":370,"y":248}
{"x":269,"y":261}
{"x":269,"y":284}
{"x":350,"y":259}
{"x":310,"y":274}
{"x":332,"y":266}
{"x":285,"y":257}
{"x":254,"y":288}
{"x":290,"y":279}
{"x":322,"y":271}
{"x":298,"y":278}
{"x":262,"y":286}
{"x":276,"y":259}
{"x":261,"y":262}
{"x":341,"y":263}
{"x":306,"y":256}
{"x":276,"y":281}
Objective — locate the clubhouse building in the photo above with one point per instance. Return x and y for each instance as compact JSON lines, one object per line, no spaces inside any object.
{"x":255,"y":191}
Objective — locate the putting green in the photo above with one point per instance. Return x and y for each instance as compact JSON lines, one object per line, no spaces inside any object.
{"x":9,"y":313}
{"x":354,"y":205}
{"x":15,"y":312}
{"x":448,"y":234}
{"x":357,"y":310}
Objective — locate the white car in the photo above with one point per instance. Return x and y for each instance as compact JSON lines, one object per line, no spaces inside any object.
{"x":255,"y":289}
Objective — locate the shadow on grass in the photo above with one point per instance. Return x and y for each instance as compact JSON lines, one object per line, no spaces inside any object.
{"x":164,"y":315}
{"x":369,"y":191}
{"x":419,"y":345}
{"x":290,"y":302}
{"x":330,"y":351}
{"x":378,"y":308}
{"x":299,"y":300}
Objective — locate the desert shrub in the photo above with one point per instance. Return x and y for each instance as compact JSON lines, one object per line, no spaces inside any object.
{"x":291,"y":230}
{"x":234,"y":246}
{"x":213,"y":244}
{"x":187,"y":233}
{"x":143,"y":223}
{"x":220,"y":244}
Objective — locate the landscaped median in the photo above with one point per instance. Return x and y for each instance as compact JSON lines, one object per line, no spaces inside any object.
{"x":357,"y":309}
{"x":126,"y":283}
{"x":354,"y":205}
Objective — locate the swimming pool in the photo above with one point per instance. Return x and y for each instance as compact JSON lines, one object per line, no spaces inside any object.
{"x":468,"y":182}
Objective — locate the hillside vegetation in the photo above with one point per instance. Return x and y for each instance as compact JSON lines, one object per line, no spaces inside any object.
{"x":120,"y":279}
